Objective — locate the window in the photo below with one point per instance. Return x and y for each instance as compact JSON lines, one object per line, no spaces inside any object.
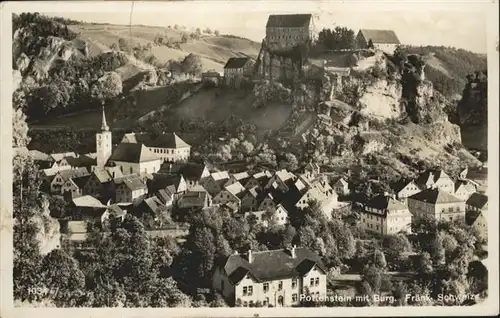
{"x":316,"y":281}
{"x":266,"y":301}
{"x":245,"y":304}
{"x":311,"y":282}
{"x":251,"y":303}
{"x":294,"y":297}
{"x":245,"y":290}
{"x":294,"y":283}
{"x":250,"y":290}
{"x":280,"y":285}
{"x":450,"y":209}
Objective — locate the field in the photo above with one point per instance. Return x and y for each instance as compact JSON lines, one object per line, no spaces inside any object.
{"x":213,"y":50}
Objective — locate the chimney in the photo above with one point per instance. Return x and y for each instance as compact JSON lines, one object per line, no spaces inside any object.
{"x":293,"y":251}
{"x":250,"y":256}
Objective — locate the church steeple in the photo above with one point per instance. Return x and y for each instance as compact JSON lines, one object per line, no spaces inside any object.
{"x":104,"y":125}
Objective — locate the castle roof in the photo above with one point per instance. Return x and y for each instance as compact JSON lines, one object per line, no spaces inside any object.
{"x":380,"y":36}
{"x":288,"y":20}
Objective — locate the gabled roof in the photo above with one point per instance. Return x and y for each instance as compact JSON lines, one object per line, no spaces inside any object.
{"x":161,"y":181}
{"x":288,"y":20}
{"x":133,"y":153}
{"x":194,"y":198}
{"x":87,"y":201}
{"x":236,"y":62}
{"x":165,"y":140}
{"x":191,"y":171}
{"x":435,"y":195}
{"x":102,"y":175}
{"x":272,"y":265}
{"x":80,"y":181}
{"x":133,"y":182}
{"x":432,"y":175}
{"x":383,"y":202}
{"x":236,"y":189}
{"x":73,"y":173}
{"x":380,"y":36}
{"x":59,"y":156}
{"x":241,"y":176}
{"x":401,"y":184}
{"x":222,"y":175}
{"x":477,"y":200}
{"x":164,"y":195}
{"x":153,"y":203}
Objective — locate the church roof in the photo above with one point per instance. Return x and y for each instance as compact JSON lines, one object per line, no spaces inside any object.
{"x":132,"y":152}
{"x":165,"y":140}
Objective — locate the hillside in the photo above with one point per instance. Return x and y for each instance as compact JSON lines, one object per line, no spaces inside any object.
{"x":447,"y":68}
{"x":213,"y":50}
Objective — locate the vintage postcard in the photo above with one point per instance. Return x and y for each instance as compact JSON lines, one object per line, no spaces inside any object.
{"x":249,"y":158}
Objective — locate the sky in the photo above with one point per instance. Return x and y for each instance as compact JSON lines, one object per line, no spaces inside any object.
{"x":461,"y":25}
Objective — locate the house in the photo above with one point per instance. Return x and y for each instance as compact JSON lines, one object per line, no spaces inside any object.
{"x":113,"y":212}
{"x":404,"y":188}
{"x":435,"y":178}
{"x":73,"y":187}
{"x":152,"y":206}
{"x":85,"y":207}
{"x":168,"y":147}
{"x":175,"y":184}
{"x":274,"y":278}
{"x":384,"y":40}
{"x":476,"y":208}
{"x":278,"y":215}
{"x":62,"y":176}
{"x":241,"y":177}
{"x":230,"y":194}
{"x":249,"y":201}
{"x":166,"y":197}
{"x":215,"y":182}
{"x":279,"y":180}
{"x":386,"y":215}
{"x":100,"y":185}
{"x":438,"y":204}
{"x":341,"y":187}
{"x":311,"y":170}
{"x":286,"y":31}
{"x":195,"y":199}
{"x":130,"y":188}
{"x":464,"y":189}
{"x":236,"y":70}
{"x":259,"y":179}
{"x":134,"y":158}
{"x":210,"y":78}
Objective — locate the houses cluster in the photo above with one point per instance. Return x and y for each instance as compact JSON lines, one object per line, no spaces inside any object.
{"x":434,"y":194}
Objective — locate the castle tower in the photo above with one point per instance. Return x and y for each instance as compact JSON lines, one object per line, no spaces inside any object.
{"x":103,"y":143}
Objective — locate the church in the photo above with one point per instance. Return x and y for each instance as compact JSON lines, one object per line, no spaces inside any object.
{"x":130,"y":157}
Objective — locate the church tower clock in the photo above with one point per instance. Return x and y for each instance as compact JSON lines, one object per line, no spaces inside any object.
{"x":103,"y":143}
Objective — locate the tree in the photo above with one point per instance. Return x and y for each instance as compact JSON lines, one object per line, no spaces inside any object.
{"x":191,"y":64}
{"x":425,"y":264}
{"x":395,"y":245}
{"x":290,"y":162}
{"x":370,"y":44}
{"x":20,"y":128}
{"x":379,"y":259}
{"x":62,"y":277}
{"x":216,"y":32}
{"x":107,"y":87}
{"x":373,"y":275}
